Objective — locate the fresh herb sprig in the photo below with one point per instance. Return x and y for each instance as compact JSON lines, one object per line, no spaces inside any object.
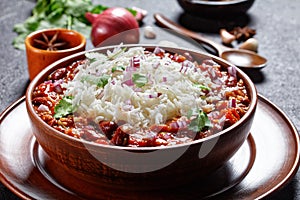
{"x":139,"y":80}
{"x":199,"y":121}
{"x":64,"y":107}
{"x":100,"y":81}
{"x":69,"y":14}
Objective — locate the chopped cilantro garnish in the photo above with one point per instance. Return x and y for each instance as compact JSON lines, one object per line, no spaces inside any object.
{"x":202,"y":87}
{"x":103,"y":80}
{"x":139,"y":80}
{"x":117,"y":68}
{"x":199,"y":120}
{"x":93,"y":80}
{"x":64,"y":107}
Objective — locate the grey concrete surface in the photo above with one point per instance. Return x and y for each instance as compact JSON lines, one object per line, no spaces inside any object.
{"x":277,"y":24}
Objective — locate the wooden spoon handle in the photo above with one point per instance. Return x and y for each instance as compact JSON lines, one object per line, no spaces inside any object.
{"x":164,"y":22}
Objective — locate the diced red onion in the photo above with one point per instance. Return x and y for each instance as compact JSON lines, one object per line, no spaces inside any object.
{"x":209,"y":62}
{"x":188,"y":56}
{"x":232,"y":103}
{"x":135,"y":62}
{"x":173,"y":125}
{"x":58,"y":82}
{"x":188,"y":64}
{"x":232,"y":71}
{"x":181,"y":123}
{"x":58,"y":89}
{"x":158,"y":50}
{"x":128,"y":82}
{"x":183,"y":69}
{"x":212,"y":72}
{"x":164,"y":79}
{"x":48,"y":82}
{"x":178,"y":124}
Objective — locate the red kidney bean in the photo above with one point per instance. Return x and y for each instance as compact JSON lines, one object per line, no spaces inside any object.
{"x":58,"y":74}
{"x":108,"y":128}
{"x":120,"y":137}
{"x":43,"y":100}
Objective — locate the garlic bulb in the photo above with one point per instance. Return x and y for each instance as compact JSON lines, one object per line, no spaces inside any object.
{"x":149,"y":32}
{"x":250,"y":44}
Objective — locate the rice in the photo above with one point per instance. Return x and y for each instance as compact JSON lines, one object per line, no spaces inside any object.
{"x":142,"y":87}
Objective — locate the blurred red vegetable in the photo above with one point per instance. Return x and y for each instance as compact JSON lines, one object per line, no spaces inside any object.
{"x":113,"y":26}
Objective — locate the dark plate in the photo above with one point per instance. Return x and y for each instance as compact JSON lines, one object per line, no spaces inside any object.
{"x":266,"y":162}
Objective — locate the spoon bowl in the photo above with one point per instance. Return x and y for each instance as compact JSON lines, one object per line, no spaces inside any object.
{"x":241,"y":58}
{"x":244,"y":59}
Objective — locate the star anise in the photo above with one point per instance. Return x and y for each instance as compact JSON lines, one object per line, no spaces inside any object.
{"x":242,"y":34}
{"x":50,"y":44}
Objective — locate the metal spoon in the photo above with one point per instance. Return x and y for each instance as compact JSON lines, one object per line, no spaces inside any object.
{"x":241,"y":58}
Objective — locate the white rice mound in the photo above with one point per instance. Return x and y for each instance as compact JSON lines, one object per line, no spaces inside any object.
{"x":171,"y":90}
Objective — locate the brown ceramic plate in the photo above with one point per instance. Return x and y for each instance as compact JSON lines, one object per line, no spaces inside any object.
{"x":266,"y":162}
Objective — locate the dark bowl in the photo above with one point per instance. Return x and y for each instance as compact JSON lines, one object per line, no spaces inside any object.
{"x":216,"y":8}
{"x":124,"y":168}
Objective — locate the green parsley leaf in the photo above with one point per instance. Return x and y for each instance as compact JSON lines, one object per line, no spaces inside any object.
{"x":117,"y":68}
{"x":103,"y":80}
{"x":139,"y":80}
{"x":202,"y":87}
{"x":199,"y":122}
{"x":64,"y":107}
{"x":93,"y":80}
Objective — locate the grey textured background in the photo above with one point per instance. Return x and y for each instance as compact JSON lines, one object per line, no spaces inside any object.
{"x":277,"y":24}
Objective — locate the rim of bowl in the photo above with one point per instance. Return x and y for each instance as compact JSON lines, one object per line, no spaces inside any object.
{"x":81,"y":44}
{"x":217,"y":3}
{"x":37,"y":80}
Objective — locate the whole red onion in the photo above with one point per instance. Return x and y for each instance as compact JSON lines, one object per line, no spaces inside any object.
{"x":113,"y":26}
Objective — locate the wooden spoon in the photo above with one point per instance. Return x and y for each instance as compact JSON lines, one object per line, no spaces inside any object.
{"x":241,"y":58}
